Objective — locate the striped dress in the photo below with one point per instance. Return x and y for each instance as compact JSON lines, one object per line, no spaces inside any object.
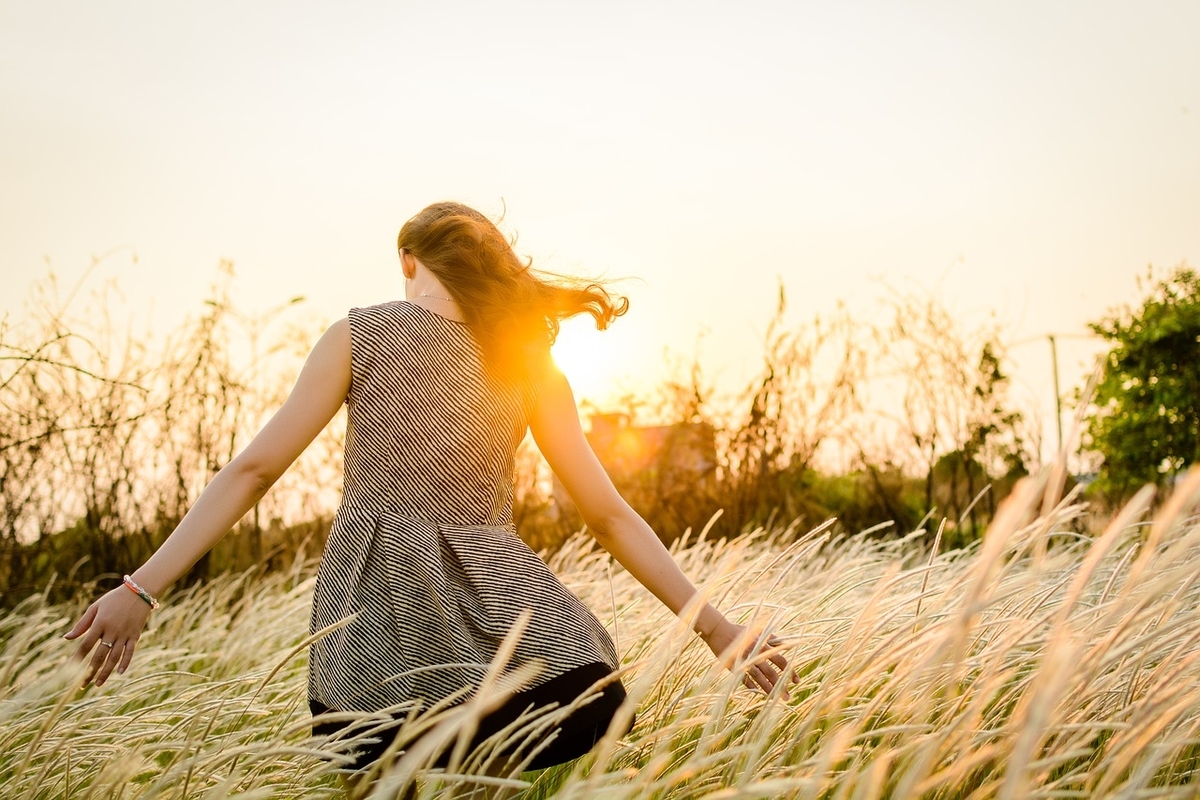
{"x":422,"y":551}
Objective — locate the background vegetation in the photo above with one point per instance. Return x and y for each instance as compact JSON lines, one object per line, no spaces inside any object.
{"x":108,"y":434}
{"x":1146,"y":415}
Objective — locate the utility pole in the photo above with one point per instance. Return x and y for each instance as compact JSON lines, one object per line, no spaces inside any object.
{"x":1057,"y":394}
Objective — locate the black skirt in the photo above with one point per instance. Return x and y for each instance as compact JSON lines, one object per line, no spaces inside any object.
{"x":576,"y":734}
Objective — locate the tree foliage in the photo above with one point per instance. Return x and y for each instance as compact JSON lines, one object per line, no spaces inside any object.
{"x":1146,"y":423}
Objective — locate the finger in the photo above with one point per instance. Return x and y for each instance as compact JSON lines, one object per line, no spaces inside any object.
{"x":86,"y":643}
{"x":771,"y":681}
{"x":779,"y":659}
{"x":765,"y":652}
{"x":126,"y":656}
{"x":98,"y":657}
{"x":778,"y":679}
{"x":762,"y":678}
{"x":84,"y":623}
{"x":110,"y":661}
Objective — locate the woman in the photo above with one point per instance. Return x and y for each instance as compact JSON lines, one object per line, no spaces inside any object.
{"x":421,"y":556}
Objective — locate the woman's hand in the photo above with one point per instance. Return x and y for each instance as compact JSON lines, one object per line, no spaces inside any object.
{"x":764,"y":669}
{"x":112,"y":625}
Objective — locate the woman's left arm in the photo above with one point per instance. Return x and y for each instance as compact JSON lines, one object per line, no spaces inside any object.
{"x":116,"y":619}
{"x":624,"y":534}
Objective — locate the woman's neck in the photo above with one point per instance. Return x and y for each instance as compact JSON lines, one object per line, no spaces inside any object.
{"x":424,"y":290}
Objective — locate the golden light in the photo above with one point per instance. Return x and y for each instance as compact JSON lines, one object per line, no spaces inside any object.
{"x":590,"y":359}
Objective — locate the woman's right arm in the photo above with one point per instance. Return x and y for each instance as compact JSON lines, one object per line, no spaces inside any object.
{"x":621,"y":531}
{"x":115,"y":621}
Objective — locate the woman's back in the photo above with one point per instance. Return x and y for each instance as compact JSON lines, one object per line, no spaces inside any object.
{"x":430,"y":434}
{"x":422,"y":552}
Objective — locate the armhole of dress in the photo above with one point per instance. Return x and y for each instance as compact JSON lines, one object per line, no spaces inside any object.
{"x":358,"y":356}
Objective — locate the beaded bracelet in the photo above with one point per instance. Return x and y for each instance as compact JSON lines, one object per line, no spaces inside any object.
{"x":140,"y":592}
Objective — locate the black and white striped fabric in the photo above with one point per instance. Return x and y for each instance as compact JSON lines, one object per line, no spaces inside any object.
{"x":422,"y":550}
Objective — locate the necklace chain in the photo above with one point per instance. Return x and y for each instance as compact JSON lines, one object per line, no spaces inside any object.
{"x":436,"y":297}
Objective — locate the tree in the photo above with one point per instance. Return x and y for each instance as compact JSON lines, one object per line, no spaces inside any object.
{"x":955,"y":423}
{"x":1146,"y":420}
{"x":801,"y":398}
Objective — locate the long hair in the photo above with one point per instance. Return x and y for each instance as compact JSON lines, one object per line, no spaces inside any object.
{"x":513,"y":311}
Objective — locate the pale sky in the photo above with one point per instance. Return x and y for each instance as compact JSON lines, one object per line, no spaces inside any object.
{"x":1027,"y":159}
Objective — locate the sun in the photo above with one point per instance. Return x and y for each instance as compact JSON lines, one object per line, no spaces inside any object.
{"x":589,"y":358}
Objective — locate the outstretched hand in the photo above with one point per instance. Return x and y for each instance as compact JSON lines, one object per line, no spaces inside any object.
{"x":765,"y":665}
{"x":112,"y":625}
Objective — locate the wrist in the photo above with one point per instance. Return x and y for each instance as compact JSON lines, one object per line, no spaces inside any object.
{"x":145,"y":577}
{"x":133,"y":586}
{"x":708,"y":621}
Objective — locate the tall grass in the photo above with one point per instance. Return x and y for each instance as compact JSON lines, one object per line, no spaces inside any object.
{"x":1037,"y":663}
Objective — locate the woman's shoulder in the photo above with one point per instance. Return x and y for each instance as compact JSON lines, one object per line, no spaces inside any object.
{"x":389,"y":314}
{"x":399,"y":324}
{"x":400,"y":309}
{"x":391,"y":308}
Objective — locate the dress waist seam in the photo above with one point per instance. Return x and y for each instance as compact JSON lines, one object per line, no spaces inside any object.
{"x":350,"y":509}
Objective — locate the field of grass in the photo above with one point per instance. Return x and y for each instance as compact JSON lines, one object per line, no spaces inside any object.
{"x":1039,"y":663}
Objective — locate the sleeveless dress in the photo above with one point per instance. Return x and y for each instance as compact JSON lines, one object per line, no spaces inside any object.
{"x":422,"y":550}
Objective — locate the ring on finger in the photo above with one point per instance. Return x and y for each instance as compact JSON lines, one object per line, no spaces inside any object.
{"x":106,"y":644}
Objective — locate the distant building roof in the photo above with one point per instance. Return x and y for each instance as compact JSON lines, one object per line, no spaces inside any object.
{"x":649,"y":462}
